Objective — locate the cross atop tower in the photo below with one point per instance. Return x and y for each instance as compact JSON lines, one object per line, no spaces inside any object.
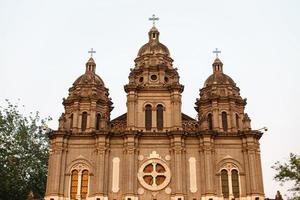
{"x":91,"y":52}
{"x":216,"y":51}
{"x":153,"y":19}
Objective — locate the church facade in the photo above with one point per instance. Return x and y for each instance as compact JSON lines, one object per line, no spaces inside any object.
{"x":154,"y":151}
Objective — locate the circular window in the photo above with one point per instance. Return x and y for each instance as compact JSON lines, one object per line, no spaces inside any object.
{"x":154,"y":174}
{"x":153,"y":77}
{"x":141,"y":79}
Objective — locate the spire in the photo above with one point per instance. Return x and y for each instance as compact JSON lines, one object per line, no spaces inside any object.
{"x":217,"y":65}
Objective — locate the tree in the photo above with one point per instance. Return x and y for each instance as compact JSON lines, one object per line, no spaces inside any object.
{"x":23,"y":153}
{"x":289,"y":172}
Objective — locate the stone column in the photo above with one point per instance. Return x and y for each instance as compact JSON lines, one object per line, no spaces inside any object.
{"x":100,"y":160}
{"x":92,"y":117}
{"x":78,"y":195}
{"x":56,"y":167}
{"x":215,"y":113}
{"x":176,"y":109}
{"x":259,"y":170}
{"x":208,"y":164}
{"x":247,"y":172}
{"x":254,"y":166}
{"x":130,"y":168}
{"x":131,"y":110}
{"x":202,"y":184}
{"x":106,"y":169}
{"x":178,"y":165}
{"x":63,"y":167}
{"x":230,"y":185}
{"x":76,"y":117}
{"x":154,"y":118}
{"x":252,"y":159}
{"x":50,"y":175}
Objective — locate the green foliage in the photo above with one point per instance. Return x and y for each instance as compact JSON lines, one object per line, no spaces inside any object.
{"x":23,"y":153}
{"x":290,"y":172}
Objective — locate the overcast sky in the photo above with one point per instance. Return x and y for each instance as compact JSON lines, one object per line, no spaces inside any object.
{"x":44,"y":44}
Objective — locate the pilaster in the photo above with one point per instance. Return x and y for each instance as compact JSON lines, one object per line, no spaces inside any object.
{"x":131,"y":110}
{"x":100,"y":160}
{"x":208,"y":153}
{"x":179,"y":169}
{"x":130,"y":168}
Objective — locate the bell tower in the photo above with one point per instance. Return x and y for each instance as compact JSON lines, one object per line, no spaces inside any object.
{"x":222,"y":118}
{"x":154,"y":91}
{"x":220,"y":107}
{"x":88,"y":106}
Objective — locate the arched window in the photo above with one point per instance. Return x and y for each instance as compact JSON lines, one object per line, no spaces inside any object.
{"x":148,"y":117}
{"x":160,"y":117}
{"x":235,"y":183}
{"x":84,"y":183}
{"x":74,"y":184}
{"x":237,"y":119}
{"x":71,"y":121}
{"x":210,"y":121}
{"x":84,"y":121}
{"x":224,"y":121}
{"x":98,"y":117}
{"x":225,"y":185}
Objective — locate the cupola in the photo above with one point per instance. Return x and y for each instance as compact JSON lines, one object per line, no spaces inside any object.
{"x":220,"y":107}
{"x":88,"y":106}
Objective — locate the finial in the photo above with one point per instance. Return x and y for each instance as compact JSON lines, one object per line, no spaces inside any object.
{"x":216,"y":51}
{"x":91,"y":52}
{"x":153,"y":19}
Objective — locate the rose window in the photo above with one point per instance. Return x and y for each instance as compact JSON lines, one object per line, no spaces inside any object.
{"x":154,"y":174}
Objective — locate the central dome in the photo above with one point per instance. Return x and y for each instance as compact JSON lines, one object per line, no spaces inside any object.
{"x":153,"y":46}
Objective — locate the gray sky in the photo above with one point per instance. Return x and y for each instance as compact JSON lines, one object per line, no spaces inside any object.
{"x":44,"y":44}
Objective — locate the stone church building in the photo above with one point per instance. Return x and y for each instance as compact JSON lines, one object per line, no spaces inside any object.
{"x":154,"y":151}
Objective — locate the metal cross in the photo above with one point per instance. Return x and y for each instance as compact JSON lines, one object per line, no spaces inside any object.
{"x":91,"y":52}
{"x":153,"y":19}
{"x":216,"y":51}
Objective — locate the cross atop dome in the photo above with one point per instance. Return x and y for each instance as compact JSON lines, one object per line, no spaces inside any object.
{"x":153,"y":19}
{"x":91,"y":52}
{"x":217,"y":51}
{"x":217,"y":64}
{"x":91,"y":65}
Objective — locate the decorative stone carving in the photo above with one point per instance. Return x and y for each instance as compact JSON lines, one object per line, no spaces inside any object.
{"x":154,"y":174}
{"x":141,"y":191}
{"x":168,"y":157}
{"x":141,"y":157}
{"x":168,"y":190}
{"x":154,"y":155}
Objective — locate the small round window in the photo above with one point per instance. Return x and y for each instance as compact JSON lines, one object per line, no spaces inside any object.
{"x":153,"y":77}
{"x":141,"y":79}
